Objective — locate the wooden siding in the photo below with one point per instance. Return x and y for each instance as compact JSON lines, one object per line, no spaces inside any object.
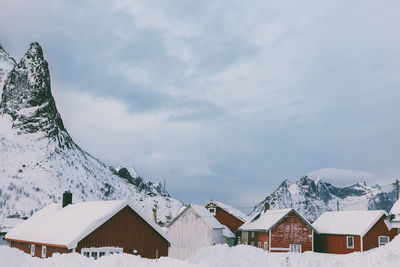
{"x":370,"y":240}
{"x":26,"y":247}
{"x":225,"y":218}
{"x":128,"y":230}
{"x":336,"y":244}
{"x":292,"y":230}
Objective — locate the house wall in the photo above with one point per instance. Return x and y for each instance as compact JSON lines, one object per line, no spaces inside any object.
{"x":26,"y":247}
{"x":336,"y":244}
{"x":370,"y":240}
{"x":189,"y":233}
{"x":291,"y":230}
{"x":128,"y":230}
{"x":228,"y":219}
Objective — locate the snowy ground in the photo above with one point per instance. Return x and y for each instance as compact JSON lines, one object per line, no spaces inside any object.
{"x":217,"y":256}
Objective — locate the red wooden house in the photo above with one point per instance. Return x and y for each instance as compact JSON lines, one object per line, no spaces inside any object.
{"x":226,"y":214}
{"x":94,"y":229}
{"x":344,"y":232}
{"x":279,"y":231}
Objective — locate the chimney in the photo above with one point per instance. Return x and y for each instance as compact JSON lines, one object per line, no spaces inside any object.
{"x":266,"y":206}
{"x":67,"y":198}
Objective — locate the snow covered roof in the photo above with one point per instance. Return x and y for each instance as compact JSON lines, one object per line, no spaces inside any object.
{"x":231,"y":210}
{"x":356,"y":222}
{"x":227,"y":233}
{"x":266,"y":220}
{"x":67,"y":226}
{"x":396,"y":208}
{"x":207,"y":217}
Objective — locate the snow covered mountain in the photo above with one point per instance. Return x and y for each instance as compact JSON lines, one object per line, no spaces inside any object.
{"x":38,"y":158}
{"x":311,"y":197}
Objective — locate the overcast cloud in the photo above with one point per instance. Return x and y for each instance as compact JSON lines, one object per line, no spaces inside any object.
{"x":224,"y":99}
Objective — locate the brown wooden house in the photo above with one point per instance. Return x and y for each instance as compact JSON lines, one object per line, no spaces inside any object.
{"x":94,"y":229}
{"x":344,"y":232}
{"x":226,"y":214}
{"x":278,"y":231}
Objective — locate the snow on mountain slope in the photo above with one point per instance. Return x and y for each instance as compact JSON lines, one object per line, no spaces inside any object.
{"x":38,"y":158}
{"x":6,"y":65}
{"x":311,"y":198}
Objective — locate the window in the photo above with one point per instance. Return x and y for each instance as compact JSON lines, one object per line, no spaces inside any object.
{"x":383,"y":240}
{"x":350,"y":241}
{"x":295,"y":248}
{"x":259,"y":244}
{"x":44,"y":249}
{"x":99,"y":252}
{"x":252,"y":234}
{"x":94,"y":254}
{"x":265,"y":245}
{"x":212,"y":211}
{"x":252,"y":243}
{"x":33,"y":249}
{"x":245,"y":237}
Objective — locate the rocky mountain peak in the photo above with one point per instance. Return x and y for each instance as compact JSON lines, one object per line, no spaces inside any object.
{"x":6,"y":65}
{"x":27,"y":96}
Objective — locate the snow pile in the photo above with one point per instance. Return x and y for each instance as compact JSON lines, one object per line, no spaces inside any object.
{"x":216,"y":256}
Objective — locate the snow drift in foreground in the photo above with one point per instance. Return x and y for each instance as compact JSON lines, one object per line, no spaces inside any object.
{"x":218,"y":256}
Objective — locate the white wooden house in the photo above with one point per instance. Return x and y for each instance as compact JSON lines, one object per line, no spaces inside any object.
{"x":193,"y":229}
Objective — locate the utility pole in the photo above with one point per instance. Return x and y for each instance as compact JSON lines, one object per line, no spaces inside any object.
{"x":396,"y":186}
{"x":337,"y":205}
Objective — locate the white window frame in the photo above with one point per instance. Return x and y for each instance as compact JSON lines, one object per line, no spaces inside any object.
{"x":252,"y":234}
{"x":295,"y":248}
{"x":347,"y":241}
{"x":265,"y":245}
{"x":259,"y":244}
{"x":252,"y":243}
{"x":44,"y":251}
{"x":95,"y":252}
{"x":33,"y":248}
{"x":213,"y":210}
{"x":379,"y":240}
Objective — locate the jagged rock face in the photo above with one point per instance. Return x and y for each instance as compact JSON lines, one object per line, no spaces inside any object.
{"x":149,"y":188}
{"x":312,"y":198}
{"x":7,"y":63}
{"x":39,"y":160}
{"x":27,"y":96}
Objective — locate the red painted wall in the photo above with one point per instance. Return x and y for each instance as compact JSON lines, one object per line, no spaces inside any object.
{"x":336,"y":244}
{"x":228,"y":219}
{"x":26,"y":247}
{"x":125,"y":229}
{"x":128,"y":230}
{"x":379,"y":229}
{"x":292,"y":230}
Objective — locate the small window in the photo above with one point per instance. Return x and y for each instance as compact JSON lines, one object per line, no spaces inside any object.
{"x":101,"y":253}
{"x":265,"y":245}
{"x":350,"y":241}
{"x":86,"y":254}
{"x":383,"y":240}
{"x":94,"y":254}
{"x":252,"y":243}
{"x":33,"y":249}
{"x":259,"y":244}
{"x":252,"y":234}
{"x":44,"y":250}
{"x":295,"y":248}
{"x":212,"y":211}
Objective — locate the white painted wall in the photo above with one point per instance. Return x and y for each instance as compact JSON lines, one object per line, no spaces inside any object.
{"x":190,"y":233}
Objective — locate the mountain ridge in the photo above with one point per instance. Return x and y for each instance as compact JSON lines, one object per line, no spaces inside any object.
{"x":40,"y":160}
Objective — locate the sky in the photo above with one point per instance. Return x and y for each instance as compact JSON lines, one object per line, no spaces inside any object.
{"x":224,"y":99}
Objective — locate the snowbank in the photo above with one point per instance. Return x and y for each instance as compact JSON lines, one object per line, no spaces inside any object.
{"x":217,"y":256}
